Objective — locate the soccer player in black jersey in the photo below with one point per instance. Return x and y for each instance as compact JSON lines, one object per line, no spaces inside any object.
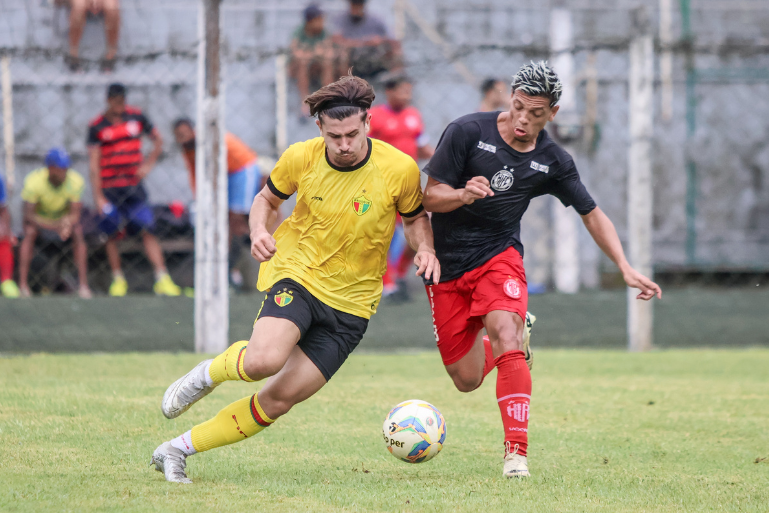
{"x":485,"y":171}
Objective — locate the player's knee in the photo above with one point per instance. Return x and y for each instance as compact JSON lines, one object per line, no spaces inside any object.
{"x":506,"y":337}
{"x":466,"y":382}
{"x":275,"y":405}
{"x":261,"y":367}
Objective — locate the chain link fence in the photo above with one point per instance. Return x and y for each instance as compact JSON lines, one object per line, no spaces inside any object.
{"x":711,"y":162}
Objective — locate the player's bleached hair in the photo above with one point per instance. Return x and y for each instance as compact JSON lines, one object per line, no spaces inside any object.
{"x":538,"y":79}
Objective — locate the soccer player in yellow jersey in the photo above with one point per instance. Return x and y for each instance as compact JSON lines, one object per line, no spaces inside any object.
{"x":322,"y":272}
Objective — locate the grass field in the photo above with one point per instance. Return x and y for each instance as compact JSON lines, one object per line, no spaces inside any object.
{"x":679,"y":430}
{"x":697,"y":317}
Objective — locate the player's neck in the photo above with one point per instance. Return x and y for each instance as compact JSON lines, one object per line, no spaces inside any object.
{"x":505,"y":128}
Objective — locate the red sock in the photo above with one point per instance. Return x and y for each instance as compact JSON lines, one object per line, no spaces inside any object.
{"x":6,"y":260}
{"x":513,"y":396}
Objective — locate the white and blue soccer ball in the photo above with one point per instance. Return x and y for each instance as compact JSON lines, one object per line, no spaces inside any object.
{"x":414,"y":431}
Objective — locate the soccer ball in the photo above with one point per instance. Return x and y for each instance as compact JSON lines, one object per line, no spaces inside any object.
{"x":414,"y":431}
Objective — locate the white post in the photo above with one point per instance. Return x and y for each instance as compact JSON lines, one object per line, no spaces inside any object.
{"x":641,"y":85}
{"x":565,"y":227}
{"x":281,"y":103}
{"x":211,"y":234}
{"x":666,"y":59}
{"x":8,"y":137}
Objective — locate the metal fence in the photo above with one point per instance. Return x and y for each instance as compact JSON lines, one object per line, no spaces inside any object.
{"x":711,"y":161}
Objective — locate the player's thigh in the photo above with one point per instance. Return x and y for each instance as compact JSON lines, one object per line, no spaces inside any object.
{"x":505,"y":331}
{"x":298,"y":380}
{"x":269,"y":347}
{"x":454,"y":328}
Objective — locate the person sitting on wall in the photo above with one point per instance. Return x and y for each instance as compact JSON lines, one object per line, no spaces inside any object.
{"x":52,"y":207}
{"x":79,"y":11}
{"x":312,"y":54}
{"x":365,"y":43}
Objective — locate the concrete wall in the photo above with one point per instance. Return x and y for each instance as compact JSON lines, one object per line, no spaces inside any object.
{"x":728,"y":146}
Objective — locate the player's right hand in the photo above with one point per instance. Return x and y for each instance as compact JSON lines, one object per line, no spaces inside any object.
{"x":476,"y":188}
{"x":262,"y":245}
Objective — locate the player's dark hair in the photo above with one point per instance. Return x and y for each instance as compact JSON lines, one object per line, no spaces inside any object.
{"x":116,"y":90}
{"x":488,"y":85}
{"x":538,"y":79}
{"x":396,"y":80}
{"x":346,"y":97}
{"x":183,"y":121}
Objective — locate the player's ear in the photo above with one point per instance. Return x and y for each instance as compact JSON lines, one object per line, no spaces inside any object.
{"x":553,"y":111}
{"x":367,"y":122}
{"x":320,"y":127}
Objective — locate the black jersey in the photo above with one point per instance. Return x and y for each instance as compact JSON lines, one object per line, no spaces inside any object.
{"x":471,"y":146}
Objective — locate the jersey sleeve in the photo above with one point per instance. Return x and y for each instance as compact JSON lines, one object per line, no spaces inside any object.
{"x":75,"y":192}
{"x":410,"y":199}
{"x":448,"y":162}
{"x":284,"y":178}
{"x":29,"y":192}
{"x":570,"y":190}
{"x":93,"y":135}
{"x":147,"y":125}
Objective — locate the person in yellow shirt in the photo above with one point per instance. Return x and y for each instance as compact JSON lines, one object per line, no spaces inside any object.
{"x":52,"y":206}
{"x":322,"y":272}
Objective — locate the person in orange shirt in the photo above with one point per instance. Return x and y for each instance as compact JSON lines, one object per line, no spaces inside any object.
{"x":244,"y":181}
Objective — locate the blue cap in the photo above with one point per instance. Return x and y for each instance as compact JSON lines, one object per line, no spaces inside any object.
{"x":57,"y":157}
{"x":311,"y":12}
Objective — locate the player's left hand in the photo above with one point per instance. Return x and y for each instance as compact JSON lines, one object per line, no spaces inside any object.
{"x":427,"y":264}
{"x":648,"y":288}
{"x":143,"y":171}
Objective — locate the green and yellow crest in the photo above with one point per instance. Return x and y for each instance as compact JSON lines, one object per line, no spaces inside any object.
{"x":361,"y":205}
{"x":283,"y":299}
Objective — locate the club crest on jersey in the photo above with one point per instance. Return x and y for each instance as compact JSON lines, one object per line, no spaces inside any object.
{"x":284,"y":298}
{"x":512,"y":288}
{"x":361,"y":205}
{"x":502,"y":180}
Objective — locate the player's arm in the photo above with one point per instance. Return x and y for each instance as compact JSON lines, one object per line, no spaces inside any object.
{"x":264,"y":212}
{"x":441,"y":197}
{"x":605,"y":235}
{"x":419,"y":235}
{"x":94,"y":169}
{"x":152,"y":158}
{"x":5,"y":222}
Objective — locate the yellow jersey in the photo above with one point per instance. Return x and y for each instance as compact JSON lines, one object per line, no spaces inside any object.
{"x":52,"y":202}
{"x":335,"y":242}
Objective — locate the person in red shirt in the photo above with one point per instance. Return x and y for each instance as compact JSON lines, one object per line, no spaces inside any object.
{"x":399,"y":124}
{"x":117,"y":170}
{"x":244,"y":181}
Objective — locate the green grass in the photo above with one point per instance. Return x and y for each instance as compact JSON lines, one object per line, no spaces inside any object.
{"x":666,"y":431}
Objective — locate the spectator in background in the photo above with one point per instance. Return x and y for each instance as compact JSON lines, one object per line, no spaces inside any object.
{"x":312,"y":54}
{"x":400,"y":124}
{"x":8,"y":287}
{"x":244,"y":181}
{"x":52,"y":206}
{"x":365,"y":44}
{"x":117,"y":169}
{"x":79,"y":11}
{"x":495,"y":96}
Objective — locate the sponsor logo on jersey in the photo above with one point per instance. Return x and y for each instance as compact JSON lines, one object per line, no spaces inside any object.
{"x":487,"y":147}
{"x":536,"y":166}
{"x":512,"y":288}
{"x":502,"y":180}
{"x":283,"y":299}
{"x":361,"y":205}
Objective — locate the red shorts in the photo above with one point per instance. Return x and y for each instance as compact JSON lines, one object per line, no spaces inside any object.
{"x":458,"y":306}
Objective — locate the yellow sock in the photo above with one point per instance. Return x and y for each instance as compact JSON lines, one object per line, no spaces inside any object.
{"x":236,"y":422}
{"x":228,"y":366}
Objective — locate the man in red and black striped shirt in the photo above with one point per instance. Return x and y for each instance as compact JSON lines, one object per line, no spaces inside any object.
{"x":117,"y":169}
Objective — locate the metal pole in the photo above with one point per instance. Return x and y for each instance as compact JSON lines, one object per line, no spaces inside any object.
{"x":8,"y":137}
{"x":666,"y":58}
{"x":211,"y":233}
{"x":641,"y":84}
{"x":281,"y":103}
{"x":565,"y":228}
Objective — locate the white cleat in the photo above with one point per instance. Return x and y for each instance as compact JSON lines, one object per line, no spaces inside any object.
{"x":186,"y":391}
{"x":171,"y":462}
{"x":515,"y":464}
{"x":529,"y":323}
